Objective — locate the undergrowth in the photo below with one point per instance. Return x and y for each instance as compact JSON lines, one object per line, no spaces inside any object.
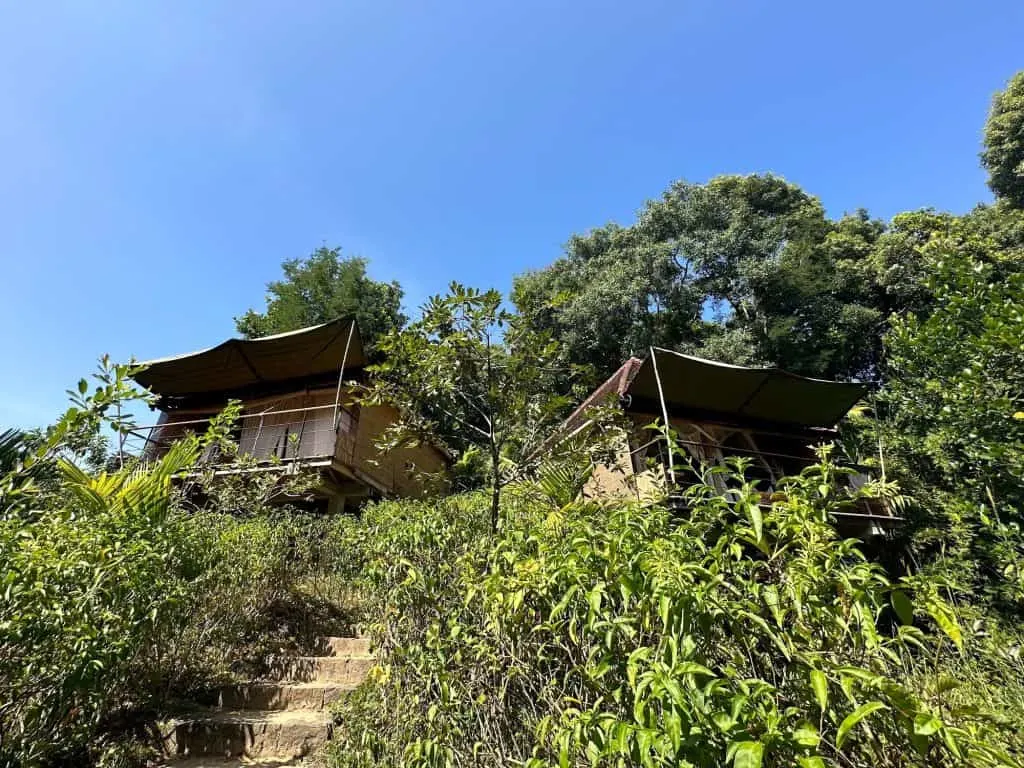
{"x":703,"y":633}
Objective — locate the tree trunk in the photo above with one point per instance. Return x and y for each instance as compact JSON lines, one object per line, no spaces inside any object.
{"x":495,"y":506}
{"x":495,"y":488}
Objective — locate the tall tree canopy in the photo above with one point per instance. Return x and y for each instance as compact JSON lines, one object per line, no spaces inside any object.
{"x":322,"y":287}
{"x":1003,"y":156}
{"x":743,"y":269}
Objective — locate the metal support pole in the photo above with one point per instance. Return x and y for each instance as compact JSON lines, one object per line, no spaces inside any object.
{"x":120,"y":438}
{"x":341,"y":374}
{"x":664,"y":415}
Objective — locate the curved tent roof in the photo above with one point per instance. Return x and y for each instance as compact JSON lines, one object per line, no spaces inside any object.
{"x":239,"y":363}
{"x":765,"y":394}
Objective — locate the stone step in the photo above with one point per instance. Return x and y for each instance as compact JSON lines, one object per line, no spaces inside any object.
{"x":248,"y":733}
{"x":342,"y":646}
{"x":279,"y":696}
{"x":343,"y":670}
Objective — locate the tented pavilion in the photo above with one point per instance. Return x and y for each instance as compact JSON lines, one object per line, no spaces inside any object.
{"x":300,"y":410}
{"x":716,"y":411}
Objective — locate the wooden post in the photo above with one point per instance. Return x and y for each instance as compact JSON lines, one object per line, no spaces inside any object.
{"x":664,"y":415}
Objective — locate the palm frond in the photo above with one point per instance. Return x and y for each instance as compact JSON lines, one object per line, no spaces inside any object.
{"x":13,"y":447}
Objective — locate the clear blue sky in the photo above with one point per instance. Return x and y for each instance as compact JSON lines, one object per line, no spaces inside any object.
{"x":159,"y":159}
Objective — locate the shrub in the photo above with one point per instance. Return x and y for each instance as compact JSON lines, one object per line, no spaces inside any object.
{"x":122,"y":591}
{"x":622,"y":634}
{"x":86,"y":587}
{"x":953,"y":416}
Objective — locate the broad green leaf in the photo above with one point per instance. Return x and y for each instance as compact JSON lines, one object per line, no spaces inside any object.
{"x":947,"y":622}
{"x":594,"y":598}
{"x":756,"y":520}
{"x":806,"y":735}
{"x":810,"y":762}
{"x":855,"y":717}
{"x":723,"y":721}
{"x":820,"y":685}
{"x":925,"y":724}
{"x":903,"y":607}
{"x":748,"y":754}
{"x":771,"y":599}
{"x":951,"y":742}
{"x":692,"y":668}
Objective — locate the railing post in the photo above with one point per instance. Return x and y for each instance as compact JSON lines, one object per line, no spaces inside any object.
{"x":664,"y":414}
{"x":341,"y":374}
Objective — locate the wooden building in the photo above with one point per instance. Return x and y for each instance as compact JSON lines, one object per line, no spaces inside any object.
{"x":299,"y":395}
{"x":718,"y":411}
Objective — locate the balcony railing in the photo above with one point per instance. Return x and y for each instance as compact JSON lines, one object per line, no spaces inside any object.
{"x":319,"y":432}
{"x":766,"y":468}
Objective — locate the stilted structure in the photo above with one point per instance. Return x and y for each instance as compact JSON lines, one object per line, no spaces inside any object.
{"x":717,"y":411}
{"x":300,"y":411}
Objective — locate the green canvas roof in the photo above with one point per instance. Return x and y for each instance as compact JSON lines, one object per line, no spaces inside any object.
{"x":241,"y":363}
{"x":764,"y":394}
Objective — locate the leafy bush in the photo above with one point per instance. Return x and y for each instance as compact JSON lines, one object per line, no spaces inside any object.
{"x":246,"y":602}
{"x":621,"y":634}
{"x":953,"y":415}
{"x":122,"y":590}
{"x":86,"y":588}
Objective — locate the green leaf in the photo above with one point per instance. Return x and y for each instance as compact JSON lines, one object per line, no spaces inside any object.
{"x":926,"y":724}
{"x":855,"y":717}
{"x":951,"y":744}
{"x":691,"y":668}
{"x":771,"y":599}
{"x":820,"y":685}
{"x":903,"y":607}
{"x":723,"y":721}
{"x":806,"y":735}
{"x":748,"y":754}
{"x":810,"y":762}
{"x":776,"y":639}
{"x":594,"y":598}
{"x":947,"y":622}
{"x":756,"y":520}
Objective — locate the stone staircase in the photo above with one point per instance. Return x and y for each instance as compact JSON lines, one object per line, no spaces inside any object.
{"x":274,"y":722}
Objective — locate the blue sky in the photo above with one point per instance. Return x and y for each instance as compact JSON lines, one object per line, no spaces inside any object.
{"x":159,"y":160}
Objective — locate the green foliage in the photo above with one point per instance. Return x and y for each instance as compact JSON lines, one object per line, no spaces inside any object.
{"x":323,"y":287}
{"x":954,"y":407}
{"x":1004,"y":143}
{"x":745,"y":269}
{"x":612,"y":633}
{"x":472,"y":375}
{"x":123,"y":590}
{"x":256,"y":592}
{"x":87,"y":583}
{"x":255,"y":570}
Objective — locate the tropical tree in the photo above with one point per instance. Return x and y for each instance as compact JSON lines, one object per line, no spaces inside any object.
{"x":475,"y":376}
{"x":323,"y":287}
{"x":954,"y":409}
{"x":1003,"y":156}
{"x":745,"y":269}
